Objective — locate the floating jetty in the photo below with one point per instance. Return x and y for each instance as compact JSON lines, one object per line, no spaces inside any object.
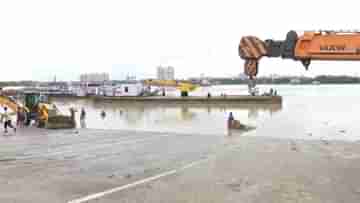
{"x":194,"y":99}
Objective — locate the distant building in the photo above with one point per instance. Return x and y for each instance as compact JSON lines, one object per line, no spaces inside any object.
{"x":130,"y":78}
{"x":165,"y":73}
{"x":295,"y":81}
{"x":315,"y":82}
{"x":94,"y":77}
{"x":275,"y":76}
{"x":242,"y":76}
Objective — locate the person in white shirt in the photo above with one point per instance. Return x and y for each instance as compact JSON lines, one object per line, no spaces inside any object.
{"x":7,"y":118}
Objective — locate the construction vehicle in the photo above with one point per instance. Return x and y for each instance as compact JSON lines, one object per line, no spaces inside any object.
{"x":304,"y":47}
{"x":38,"y":109}
{"x":31,"y":102}
{"x":11,"y":103}
{"x":184,"y":86}
{"x":46,"y":114}
{"x":37,"y":105}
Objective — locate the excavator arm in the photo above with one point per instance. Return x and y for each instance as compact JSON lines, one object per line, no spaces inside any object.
{"x":10,"y":103}
{"x":319,"y":45}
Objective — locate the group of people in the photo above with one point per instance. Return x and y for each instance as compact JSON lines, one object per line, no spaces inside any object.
{"x":6,"y":118}
{"x":272,"y":92}
{"x":83,"y":116}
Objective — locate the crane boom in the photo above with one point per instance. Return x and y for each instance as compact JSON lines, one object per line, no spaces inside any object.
{"x":311,"y":45}
{"x":183,"y":86}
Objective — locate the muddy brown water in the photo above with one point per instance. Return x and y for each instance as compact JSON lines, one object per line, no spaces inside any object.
{"x":308,"y":111}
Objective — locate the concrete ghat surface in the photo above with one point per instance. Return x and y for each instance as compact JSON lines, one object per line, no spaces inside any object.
{"x":65,"y":166}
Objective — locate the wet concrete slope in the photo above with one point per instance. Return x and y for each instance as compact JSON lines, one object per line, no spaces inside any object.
{"x":38,"y":166}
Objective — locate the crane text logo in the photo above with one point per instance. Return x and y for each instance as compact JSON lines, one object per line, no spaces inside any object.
{"x":332,"y":48}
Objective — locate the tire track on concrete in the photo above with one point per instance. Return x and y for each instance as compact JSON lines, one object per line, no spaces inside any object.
{"x":139,"y":182}
{"x":129,"y":159}
{"x":46,"y":155}
{"x":71,"y":142}
{"x":63,"y":147}
{"x":128,"y":144}
{"x":190,"y":165}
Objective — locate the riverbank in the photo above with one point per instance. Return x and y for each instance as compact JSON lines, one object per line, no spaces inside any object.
{"x":138,"y":166}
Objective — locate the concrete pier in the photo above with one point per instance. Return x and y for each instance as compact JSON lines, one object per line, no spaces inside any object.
{"x":194,"y":99}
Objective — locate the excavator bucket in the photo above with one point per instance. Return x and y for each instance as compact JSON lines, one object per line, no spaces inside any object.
{"x":251,"y":49}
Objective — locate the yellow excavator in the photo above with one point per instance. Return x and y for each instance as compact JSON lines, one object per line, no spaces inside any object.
{"x":184,"y":86}
{"x":11,"y":104}
{"x":47,"y":115}
{"x":36,"y":108}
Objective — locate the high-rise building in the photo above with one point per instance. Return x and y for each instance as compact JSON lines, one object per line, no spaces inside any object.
{"x":243,"y":76}
{"x":94,"y":77}
{"x":159,"y":72}
{"x":165,"y":73}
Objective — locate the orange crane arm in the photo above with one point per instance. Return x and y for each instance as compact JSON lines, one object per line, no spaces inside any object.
{"x":320,"y":45}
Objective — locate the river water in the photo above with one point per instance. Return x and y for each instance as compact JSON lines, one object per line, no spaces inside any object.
{"x":307,"y":112}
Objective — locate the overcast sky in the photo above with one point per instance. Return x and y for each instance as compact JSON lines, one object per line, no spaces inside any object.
{"x":40,"y":39}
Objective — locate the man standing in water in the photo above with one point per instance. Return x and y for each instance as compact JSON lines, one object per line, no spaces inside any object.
{"x":230,"y":120}
{"x":82,"y":118}
{"x":7,"y":119}
{"x":235,"y":124}
{"x":103,"y":114}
